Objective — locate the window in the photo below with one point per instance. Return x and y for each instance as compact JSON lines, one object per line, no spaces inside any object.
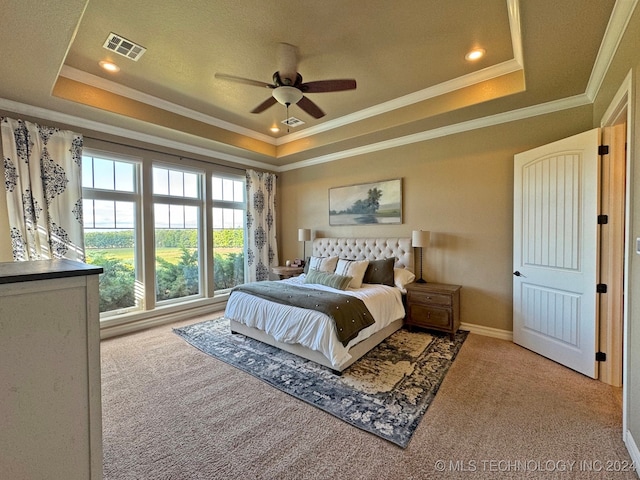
{"x":228,"y":195}
{"x":111,"y":203}
{"x":153,"y":240}
{"x":177,"y":207}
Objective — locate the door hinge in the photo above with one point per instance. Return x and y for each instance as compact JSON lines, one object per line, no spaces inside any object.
{"x":601,"y":288}
{"x":601,"y":357}
{"x":603,"y":219}
{"x":603,"y":150}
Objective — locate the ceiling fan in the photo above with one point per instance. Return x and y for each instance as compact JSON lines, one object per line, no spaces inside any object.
{"x":287,"y":85}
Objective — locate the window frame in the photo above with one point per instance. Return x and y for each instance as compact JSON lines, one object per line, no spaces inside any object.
{"x":235,"y":205}
{"x":135,"y":197}
{"x":168,"y":199}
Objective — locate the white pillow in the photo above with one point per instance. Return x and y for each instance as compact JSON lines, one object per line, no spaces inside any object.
{"x":354,"y":269}
{"x":401,"y":277}
{"x":323,"y":264}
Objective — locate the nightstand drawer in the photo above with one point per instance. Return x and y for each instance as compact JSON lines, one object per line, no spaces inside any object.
{"x":435,"y":306}
{"x":429,"y":298}
{"x":429,"y":316}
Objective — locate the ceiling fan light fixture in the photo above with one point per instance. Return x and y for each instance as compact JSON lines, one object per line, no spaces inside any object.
{"x":287,"y":87}
{"x":287,"y":95}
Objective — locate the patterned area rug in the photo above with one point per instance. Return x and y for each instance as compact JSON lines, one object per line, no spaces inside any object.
{"x":386,"y":392}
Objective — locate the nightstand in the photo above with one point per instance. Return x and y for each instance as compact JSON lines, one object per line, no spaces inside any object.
{"x":435,"y":306}
{"x":287,"y":272}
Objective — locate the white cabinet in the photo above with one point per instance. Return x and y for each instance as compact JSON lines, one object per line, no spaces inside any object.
{"x":50,"y":407}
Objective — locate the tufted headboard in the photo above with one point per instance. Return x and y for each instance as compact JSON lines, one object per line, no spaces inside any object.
{"x":367,"y":249}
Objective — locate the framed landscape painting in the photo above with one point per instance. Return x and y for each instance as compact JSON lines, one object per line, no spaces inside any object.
{"x":366,"y":203}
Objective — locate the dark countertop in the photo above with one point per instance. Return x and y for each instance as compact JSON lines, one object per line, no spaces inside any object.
{"x":14,"y":272}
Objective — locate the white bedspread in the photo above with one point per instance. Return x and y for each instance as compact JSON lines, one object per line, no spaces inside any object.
{"x":313,"y":329}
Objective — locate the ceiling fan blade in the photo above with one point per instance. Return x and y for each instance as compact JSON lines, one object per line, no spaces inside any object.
{"x":246,"y":81}
{"x":264,"y":105}
{"x":328,"y":86}
{"x":287,"y":61}
{"x":311,"y":108}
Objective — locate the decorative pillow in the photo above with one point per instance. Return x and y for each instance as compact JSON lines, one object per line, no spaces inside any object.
{"x":332,"y":280}
{"x":380,"y":271}
{"x":402,"y":277}
{"x":352,"y":268}
{"x":322,"y":264}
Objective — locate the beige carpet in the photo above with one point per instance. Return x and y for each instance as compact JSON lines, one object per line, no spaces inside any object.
{"x":173,"y":412}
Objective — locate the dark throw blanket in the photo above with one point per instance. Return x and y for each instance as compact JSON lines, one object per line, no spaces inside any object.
{"x":350,"y":314}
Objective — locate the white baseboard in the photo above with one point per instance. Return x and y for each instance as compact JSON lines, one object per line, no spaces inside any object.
{"x":488,"y":331}
{"x":632,"y":447}
{"x":110,"y":329}
{"x":115,"y":329}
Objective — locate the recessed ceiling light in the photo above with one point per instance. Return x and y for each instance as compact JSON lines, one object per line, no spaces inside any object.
{"x":109,"y":66}
{"x":475,"y":54}
{"x":274,"y":129}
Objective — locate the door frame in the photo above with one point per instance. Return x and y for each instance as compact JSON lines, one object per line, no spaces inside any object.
{"x":611,"y":248}
{"x":620,"y":109}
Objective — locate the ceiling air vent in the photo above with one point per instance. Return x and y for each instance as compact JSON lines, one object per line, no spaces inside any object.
{"x":124,"y":47}
{"x":293,"y":122}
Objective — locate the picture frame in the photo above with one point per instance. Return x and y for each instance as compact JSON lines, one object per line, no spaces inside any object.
{"x":366,"y":203}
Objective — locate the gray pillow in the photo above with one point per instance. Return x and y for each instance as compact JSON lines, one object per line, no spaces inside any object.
{"x":380,"y":271}
{"x":340,"y":282}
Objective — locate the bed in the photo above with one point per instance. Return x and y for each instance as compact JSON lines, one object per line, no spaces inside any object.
{"x":313,"y":335}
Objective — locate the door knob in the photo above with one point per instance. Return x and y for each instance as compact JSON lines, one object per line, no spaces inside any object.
{"x":518,"y":274}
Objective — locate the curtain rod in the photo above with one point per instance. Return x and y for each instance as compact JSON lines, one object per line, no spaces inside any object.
{"x":164,"y":153}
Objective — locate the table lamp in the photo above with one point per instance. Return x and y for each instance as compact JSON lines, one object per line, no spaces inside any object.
{"x":420,"y":239}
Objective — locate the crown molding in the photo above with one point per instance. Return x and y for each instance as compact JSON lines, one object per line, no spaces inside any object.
{"x":474,"y":78}
{"x":510,"y":66}
{"x":453,"y":85}
{"x":506,"y":117}
{"x":497,"y":119}
{"x":53,"y":116}
{"x":616,"y":27}
{"x":113,"y":87}
{"x":620,"y":17}
{"x":513,"y":7}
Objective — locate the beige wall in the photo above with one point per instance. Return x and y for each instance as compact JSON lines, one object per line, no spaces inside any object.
{"x":458,"y":187}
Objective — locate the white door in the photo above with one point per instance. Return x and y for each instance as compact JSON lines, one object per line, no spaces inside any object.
{"x":555,"y":250}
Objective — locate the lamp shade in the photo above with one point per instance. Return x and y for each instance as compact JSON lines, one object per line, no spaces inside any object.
{"x":420,"y":238}
{"x":304,"y":234}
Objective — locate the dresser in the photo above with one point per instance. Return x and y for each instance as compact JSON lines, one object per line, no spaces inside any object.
{"x":50,"y":404}
{"x":434,"y":306}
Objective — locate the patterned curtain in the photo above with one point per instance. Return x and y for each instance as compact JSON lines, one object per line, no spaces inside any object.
{"x":43,"y":181}
{"x":262,"y":249}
